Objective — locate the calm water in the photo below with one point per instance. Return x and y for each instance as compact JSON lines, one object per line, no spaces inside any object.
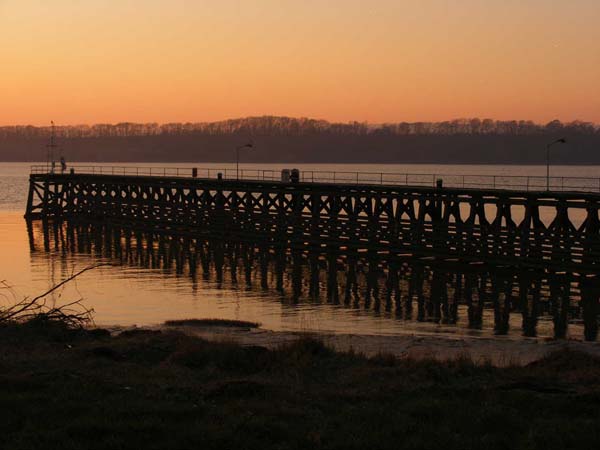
{"x":153,"y":282}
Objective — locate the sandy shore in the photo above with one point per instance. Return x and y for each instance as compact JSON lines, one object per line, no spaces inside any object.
{"x":499,"y":351}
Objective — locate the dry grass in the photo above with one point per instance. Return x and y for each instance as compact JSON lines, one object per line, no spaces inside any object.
{"x":66,"y":388}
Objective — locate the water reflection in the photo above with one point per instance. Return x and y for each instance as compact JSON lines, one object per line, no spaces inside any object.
{"x":430,"y":290}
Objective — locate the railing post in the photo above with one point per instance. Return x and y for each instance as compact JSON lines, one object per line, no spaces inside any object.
{"x":381,"y":178}
{"x":494,"y":181}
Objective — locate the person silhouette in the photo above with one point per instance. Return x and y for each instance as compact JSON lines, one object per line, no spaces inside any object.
{"x":63,"y":164}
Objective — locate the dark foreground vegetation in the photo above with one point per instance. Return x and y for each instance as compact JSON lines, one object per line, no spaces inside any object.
{"x":68,"y":388}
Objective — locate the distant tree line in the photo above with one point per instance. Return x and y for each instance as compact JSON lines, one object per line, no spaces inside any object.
{"x":289,"y":126}
{"x":291,"y":140}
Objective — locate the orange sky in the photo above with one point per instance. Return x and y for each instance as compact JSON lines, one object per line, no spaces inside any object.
{"x":91,"y":61}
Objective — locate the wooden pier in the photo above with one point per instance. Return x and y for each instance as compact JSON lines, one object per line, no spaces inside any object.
{"x":469,"y":225}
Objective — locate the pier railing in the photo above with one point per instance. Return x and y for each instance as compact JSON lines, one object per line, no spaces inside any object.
{"x":473,"y":181}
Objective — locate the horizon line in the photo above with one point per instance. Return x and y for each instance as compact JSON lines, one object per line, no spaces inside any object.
{"x":312,"y":119}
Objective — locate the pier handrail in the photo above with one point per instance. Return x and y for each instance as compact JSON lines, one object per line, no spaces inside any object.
{"x":474,"y":181}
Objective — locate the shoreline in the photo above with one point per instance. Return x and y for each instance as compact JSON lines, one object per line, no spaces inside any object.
{"x":497,"y":351}
{"x":68,"y":387}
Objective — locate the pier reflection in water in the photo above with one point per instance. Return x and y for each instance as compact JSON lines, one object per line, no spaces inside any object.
{"x":405,"y":290}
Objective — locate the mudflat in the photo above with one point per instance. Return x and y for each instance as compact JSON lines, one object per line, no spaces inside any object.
{"x":498,"y":351}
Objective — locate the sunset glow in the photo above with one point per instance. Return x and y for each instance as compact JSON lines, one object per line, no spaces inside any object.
{"x":377,"y":61}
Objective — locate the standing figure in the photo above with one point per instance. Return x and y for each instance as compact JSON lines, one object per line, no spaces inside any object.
{"x":63,"y":164}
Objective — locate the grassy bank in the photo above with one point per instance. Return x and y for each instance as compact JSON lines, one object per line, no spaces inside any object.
{"x":163,"y":390}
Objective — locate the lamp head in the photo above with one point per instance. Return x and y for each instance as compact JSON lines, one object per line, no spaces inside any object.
{"x":558,"y":141}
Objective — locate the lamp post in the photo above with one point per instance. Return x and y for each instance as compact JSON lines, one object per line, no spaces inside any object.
{"x":237,"y":158}
{"x":558,"y":141}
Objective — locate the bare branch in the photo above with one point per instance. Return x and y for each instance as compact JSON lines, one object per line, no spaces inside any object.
{"x":74,"y":314}
{"x":66,"y":280}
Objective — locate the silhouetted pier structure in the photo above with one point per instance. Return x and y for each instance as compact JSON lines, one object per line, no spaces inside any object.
{"x":554,"y":234}
{"x":496,"y":226}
